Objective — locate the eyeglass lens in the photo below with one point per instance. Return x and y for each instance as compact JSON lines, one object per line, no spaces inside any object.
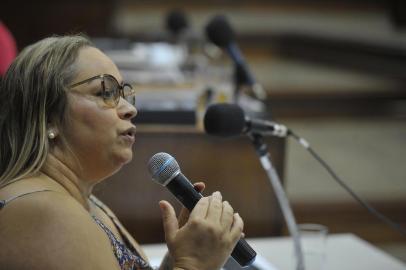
{"x":113,"y":91}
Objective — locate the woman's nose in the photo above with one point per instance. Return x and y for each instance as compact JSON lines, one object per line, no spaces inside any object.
{"x":126,"y":110}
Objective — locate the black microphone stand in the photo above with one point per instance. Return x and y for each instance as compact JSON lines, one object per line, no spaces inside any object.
{"x":264,"y":157}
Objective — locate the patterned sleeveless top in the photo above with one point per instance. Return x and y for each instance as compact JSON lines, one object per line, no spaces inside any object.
{"x":126,"y":254}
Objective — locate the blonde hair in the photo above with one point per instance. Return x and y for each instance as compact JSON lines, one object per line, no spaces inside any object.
{"x":32,"y":97}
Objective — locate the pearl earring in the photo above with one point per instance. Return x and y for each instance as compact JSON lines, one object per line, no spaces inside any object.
{"x":51,"y":135}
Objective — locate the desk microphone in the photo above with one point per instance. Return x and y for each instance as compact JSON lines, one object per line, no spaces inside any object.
{"x":165,"y":171}
{"x":227,"y":120}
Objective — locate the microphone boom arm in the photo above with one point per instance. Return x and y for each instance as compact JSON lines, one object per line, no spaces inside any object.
{"x":264,"y":156}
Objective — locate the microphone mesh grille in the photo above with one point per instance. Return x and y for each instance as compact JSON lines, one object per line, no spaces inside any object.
{"x":162,"y":167}
{"x":224,"y":120}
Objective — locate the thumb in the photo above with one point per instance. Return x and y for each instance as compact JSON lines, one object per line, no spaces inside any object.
{"x":170,"y":222}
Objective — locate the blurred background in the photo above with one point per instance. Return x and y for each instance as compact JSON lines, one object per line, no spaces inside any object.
{"x":333,"y":71}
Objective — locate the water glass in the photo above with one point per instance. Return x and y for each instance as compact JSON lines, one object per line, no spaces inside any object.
{"x":313,"y":239}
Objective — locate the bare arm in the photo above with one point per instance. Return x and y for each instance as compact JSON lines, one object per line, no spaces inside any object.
{"x":52,"y":231}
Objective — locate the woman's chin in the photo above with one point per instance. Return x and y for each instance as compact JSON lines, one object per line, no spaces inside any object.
{"x":119,"y":162}
{"x":125,"y":156}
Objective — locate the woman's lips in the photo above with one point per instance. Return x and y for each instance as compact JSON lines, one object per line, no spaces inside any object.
{"x":129,"y":135}
{"x":128,"y":138}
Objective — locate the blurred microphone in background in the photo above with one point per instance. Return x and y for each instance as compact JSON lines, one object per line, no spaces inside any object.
{"x":176,"y":23}
{"x":181,"y":33}
{"x":220,"y":32}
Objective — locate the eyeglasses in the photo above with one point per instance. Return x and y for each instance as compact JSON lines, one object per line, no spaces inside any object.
{"x":111,"y":90}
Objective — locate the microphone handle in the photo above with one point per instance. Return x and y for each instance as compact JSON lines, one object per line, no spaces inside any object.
{"x":244,"y":72}
{"x":184,"y":191}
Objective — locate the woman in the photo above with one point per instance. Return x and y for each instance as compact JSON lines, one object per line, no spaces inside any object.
{"x":65,"y":125}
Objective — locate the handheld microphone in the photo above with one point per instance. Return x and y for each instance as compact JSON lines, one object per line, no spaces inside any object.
{"x":166,"y":171}
{"x":228,"y":120}
{"x":219,"y":32}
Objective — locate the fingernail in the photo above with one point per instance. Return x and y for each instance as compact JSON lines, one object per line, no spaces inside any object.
{"x":162,"y":205}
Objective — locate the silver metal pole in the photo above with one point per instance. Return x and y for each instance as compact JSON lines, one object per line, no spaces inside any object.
{"x":280,"y":194}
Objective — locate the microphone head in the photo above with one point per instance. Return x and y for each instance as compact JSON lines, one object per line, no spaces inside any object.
{"x":163,"y":167}
{"x":224,"y":120}
{"x":219,"y":31}
{"x":176,"y":22}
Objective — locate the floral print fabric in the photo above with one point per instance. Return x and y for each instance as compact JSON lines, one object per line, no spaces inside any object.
{"x":127,"y":259}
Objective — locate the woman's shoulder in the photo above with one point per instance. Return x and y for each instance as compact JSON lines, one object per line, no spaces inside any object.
{"x":39,"y":201}
{"x":51,"y":230}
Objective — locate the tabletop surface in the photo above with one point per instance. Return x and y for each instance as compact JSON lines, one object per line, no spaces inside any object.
{"x":343,"y":251}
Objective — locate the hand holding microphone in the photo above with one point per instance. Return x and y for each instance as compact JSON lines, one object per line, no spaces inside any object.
{"x":212,"y":232}
{"x":208,"y":237}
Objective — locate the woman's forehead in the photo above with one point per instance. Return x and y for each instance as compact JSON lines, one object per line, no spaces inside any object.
{"x":91,"y":62}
